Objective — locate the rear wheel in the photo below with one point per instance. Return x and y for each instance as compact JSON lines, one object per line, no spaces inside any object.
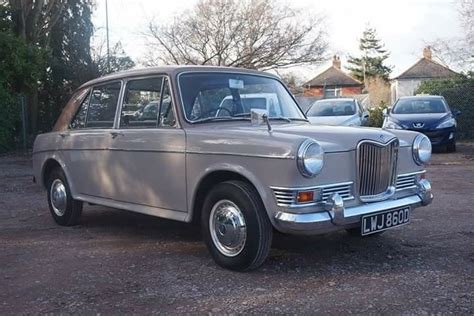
{"x":235,"y":226}
{"x":65,"y":210}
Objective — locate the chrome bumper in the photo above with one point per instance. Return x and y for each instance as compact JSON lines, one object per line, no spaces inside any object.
{"x":336,"y":216}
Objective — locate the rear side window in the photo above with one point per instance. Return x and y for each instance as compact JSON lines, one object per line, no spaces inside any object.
{"x":102,"y":105}
{"x":79,"y":120}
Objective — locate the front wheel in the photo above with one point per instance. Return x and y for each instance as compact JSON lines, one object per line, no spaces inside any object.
{"x":235,"y":226}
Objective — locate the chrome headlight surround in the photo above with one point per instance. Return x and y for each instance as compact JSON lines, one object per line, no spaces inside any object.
{"x":421,"y":149}
{"x":310,"y":158}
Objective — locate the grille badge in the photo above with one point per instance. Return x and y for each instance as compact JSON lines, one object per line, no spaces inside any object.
{"x":418,"y":125}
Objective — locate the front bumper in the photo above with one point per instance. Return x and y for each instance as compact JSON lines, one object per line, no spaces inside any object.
{"x":439,"y":137}
{"x":338,"y":217}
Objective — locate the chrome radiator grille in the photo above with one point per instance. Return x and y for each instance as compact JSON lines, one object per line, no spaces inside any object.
{"x":377,"y":168}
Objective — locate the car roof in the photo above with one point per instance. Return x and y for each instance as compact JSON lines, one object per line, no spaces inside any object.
{"x":336,"y":99}
{"x":421,"y":97}
{"x":172,"y":71}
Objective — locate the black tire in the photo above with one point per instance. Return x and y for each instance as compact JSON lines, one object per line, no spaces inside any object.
{"x":72,"y":209}
{"x":355,"y":232}
{"x":451,"y":147}
{"x":259,"y":230}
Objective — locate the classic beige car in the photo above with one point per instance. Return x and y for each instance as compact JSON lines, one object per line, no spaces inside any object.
{"x":242,"y":170}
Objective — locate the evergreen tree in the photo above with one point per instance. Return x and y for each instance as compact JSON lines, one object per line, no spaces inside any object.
{"x":371,"y":62}
{"x":69,"y":62}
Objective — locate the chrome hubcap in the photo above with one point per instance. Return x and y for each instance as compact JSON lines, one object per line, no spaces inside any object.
{"x":58,"y":197}
{"x":228,"y":228}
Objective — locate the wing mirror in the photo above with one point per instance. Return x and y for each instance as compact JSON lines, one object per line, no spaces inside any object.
{"x":259,"y":117}
{"x":456,"y":112}
{"x":386,"y":111}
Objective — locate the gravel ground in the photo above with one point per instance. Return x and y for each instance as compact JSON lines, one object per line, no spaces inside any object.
{"x":120,"y":262}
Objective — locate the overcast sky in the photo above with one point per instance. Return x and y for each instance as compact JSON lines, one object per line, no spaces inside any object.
{"x":405,"y":26}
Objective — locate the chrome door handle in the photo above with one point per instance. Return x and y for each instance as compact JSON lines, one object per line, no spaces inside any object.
{"x":63,"y":134}
{"x":115,"y":134}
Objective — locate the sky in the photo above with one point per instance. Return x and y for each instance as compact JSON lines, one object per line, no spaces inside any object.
{"x":405,"y":26}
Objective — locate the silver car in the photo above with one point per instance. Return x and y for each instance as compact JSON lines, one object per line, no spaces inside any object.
{"x":343,"y":111}
{"x":242,"y":174}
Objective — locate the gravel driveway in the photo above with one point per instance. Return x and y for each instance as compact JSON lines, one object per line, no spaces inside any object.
{"x":120,"y":262}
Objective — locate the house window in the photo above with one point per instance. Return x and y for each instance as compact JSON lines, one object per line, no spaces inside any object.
{"x":332,"y":92}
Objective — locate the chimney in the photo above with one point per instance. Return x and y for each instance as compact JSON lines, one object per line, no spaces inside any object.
{"x":336,"y":62}
{"x":427,"y":52}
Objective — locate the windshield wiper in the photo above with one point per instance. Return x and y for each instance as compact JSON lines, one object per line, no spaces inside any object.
{"x":219,"y":118}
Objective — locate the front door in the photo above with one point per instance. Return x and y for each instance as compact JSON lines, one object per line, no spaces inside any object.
{"x":147,"y":149}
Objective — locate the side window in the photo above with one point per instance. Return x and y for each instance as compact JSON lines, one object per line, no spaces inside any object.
{"x":102,"y":106}
{"x":79,"y":120}
{"x":167,"y":117}
{"x":141,"y":103}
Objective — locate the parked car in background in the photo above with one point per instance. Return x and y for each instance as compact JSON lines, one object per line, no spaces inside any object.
{"x":241,"y":175}
{"x":264,"y":101}
{"x":341,"y":111}
{"x":429,"y":115}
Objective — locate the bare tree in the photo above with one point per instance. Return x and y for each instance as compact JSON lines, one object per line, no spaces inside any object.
{"x":256,"y":34}
{"x":458,"y":51}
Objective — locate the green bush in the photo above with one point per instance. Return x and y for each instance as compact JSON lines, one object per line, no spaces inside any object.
{"x":376,"y":115}
{"x":19,"y":69}
{"x":459,"y":93}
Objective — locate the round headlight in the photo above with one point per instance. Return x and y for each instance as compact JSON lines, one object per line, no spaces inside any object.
{"x":421,"y":149}
{"x":310,"y":158}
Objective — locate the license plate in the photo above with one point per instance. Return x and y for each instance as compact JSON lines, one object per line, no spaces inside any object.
{"x":384,"y":220}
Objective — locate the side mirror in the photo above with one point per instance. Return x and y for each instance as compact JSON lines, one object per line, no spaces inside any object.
{"x":259,"y":117}
{"x":456,"y":112}
{"x":386,"y":111}
{"x":365,"y":115}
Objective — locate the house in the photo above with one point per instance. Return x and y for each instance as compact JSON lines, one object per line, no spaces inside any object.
{"x":333,"y":82}
{"x":424,"y":69}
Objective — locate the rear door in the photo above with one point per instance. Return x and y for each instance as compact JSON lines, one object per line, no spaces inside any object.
{"x":86,"y":144}
{"x":148,"y":149}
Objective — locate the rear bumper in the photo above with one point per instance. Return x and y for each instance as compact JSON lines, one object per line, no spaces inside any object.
{"x":338,"y":217}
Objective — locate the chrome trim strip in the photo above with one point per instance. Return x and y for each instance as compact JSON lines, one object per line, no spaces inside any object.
{"x":238,"y":154}
{"x":312,"y":187}
{"x":166,"y":151}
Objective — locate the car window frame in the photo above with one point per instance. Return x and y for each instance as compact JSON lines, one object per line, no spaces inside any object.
{"x":122,"y":99}
{"x":89,"y":96}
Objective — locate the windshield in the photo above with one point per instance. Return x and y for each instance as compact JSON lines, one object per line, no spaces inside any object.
{"x":232,"y":96}
{"x":419,"y":106}
{"x":332,"y":108}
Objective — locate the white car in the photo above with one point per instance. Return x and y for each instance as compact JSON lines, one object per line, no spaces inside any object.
{"x":343,"y":111}
{"x":262,"y":101}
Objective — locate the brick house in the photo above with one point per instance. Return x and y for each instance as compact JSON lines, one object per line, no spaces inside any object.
{"x":424,"y":69}
{"x":332,"y":83}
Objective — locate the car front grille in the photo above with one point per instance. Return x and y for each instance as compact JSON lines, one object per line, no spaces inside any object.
{"x":286,"y":197}
{"x":406,"y":181}
{"x":377,"y":169}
